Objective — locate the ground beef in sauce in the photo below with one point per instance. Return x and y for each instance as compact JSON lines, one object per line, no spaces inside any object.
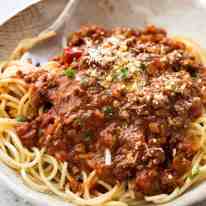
{"x":134,"y":92}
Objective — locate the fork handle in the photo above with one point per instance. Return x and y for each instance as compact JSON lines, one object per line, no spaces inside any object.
{"x":66,"y":14}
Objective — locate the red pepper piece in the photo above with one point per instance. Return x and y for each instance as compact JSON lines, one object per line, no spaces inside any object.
{"x":71,"y":53}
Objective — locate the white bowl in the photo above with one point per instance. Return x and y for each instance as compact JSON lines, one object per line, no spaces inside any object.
{"x":179,"y":17}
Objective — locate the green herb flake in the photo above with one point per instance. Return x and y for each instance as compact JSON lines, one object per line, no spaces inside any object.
{"x":142,"y":66}
{"x":195,"y":172}
{"x":88,"y":135}
{"x":193,"y":74}
{"x":114,"y":76}
{"x":20,"y":119}
{"x":108,"y":110}
{"x":170,"y":85}
{"x":78,"y":122}
{"x":70,"y":73}
{"x":124,"y":72}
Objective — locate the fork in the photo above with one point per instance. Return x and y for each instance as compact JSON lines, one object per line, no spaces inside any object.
{"x":48,"y":43}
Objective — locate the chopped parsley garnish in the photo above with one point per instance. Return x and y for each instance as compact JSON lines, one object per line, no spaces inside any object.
{"x":78,"y":122}
{"x":124,"y":73}
{"x":114,"y":76}
{"x":193,"y":74}
{"x":20,"y":119}
{"x":70,"y":73}
{"x":195,"y":172}
{"x":142,"y":66}
{"x":172,"y":86}
{"x":108,"y":110}
{"x":121,"y":74}
{"x":88,"y":135}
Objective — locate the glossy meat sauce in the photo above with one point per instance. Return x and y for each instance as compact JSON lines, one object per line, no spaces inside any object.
{"x":131,"y":92}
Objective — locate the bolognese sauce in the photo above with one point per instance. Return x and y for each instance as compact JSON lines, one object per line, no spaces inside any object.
{"x":121,"y":104}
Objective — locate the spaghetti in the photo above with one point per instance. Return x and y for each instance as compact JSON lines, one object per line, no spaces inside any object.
{"x":117,"y":120}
